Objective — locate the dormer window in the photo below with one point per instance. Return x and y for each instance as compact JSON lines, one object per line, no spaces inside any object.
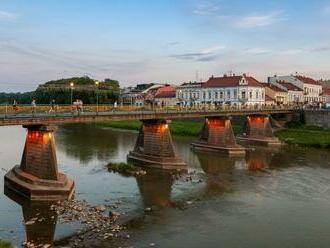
{"x":243,"y":81}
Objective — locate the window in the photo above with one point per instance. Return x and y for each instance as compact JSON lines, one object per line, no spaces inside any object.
{"x":210,"y":94}
{"x":235,"y":94}
{"x":257,"y":94}
{"x":221,"y":94}
{"x":228,"y":94}
{"x":243,"y":94}
{"x":216,"y":95}
{"x":204,"y":94}
{"x":250,"y":94}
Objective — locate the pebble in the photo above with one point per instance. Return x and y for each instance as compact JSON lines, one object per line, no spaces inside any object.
{"x":147,"y":210}
{"x":100,"y":208}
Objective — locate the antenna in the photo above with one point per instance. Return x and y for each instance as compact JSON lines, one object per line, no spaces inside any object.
{"x":197,"y":75}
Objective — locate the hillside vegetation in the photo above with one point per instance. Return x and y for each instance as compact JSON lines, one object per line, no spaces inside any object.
{"x":84,"y":88}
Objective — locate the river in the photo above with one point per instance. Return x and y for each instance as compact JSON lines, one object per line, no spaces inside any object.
{"x":270,"y":198}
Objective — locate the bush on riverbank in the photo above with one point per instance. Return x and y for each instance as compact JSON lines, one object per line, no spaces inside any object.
{"x":5,"y":244}
{"x":125,"y":168}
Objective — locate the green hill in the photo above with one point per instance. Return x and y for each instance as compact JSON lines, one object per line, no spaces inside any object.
{"x":84,"y":88}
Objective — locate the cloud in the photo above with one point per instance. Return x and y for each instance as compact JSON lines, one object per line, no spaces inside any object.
{"x":253,"y":21}
{"x":4,"y":15}
{"x":205,"y":9}
{"x":256,"y":51}
{"x":207,"y":54}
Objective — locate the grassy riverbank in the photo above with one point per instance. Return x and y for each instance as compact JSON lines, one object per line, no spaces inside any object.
{"x":296,"y":134}
{"x":305,"y":136}
{"x":5,"y":244}
{"x":177,"y":127}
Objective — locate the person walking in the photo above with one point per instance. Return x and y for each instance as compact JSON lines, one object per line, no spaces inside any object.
{"x":34,"y":106}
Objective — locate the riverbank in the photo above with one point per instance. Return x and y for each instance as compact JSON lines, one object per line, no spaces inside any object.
{"x":305,"y":136}
{"x":177,"y":127}
{"x":298,"y":135}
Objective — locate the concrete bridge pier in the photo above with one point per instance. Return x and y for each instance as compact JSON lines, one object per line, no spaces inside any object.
{"x":154,"y":146}
{"x":218,"y":136}
{"x":258,"y":131}
{"x":37,"y":177}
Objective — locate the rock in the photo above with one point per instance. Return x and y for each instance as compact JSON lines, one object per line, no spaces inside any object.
{"x":147,"y":209}
{"x":114,"y":214}
{"x":152,"y":244}
{"x":189,"y":202}
{"x":100,"y":208}
{"x":30,"y":222}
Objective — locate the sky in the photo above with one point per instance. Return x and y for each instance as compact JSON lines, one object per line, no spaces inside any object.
{"x":160,"y":41}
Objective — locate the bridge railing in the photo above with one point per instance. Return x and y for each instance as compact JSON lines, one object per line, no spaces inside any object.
{"x":10,"y":111}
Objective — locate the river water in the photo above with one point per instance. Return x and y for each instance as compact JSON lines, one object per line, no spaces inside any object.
{"x":270,"y":198}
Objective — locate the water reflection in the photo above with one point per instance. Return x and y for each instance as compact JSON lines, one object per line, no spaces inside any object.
{"x":87,"y":142}
{"x":258,"y":159}
{"x":39,"y":220}
{"x":218,"y":170}
{"x":155,"y":187}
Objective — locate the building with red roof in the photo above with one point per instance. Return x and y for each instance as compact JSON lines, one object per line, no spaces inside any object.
{"x":326,"y":95}
{"x":239,"y":90}
{"x":166,"y":96}
{"x":311,"y":88}
{"x":278,"y":94}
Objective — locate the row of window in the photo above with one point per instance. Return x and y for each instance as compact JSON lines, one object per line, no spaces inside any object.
{"x":228,"y":94}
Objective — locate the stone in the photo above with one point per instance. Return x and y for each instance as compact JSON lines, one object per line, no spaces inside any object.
{"x":100,"y":208}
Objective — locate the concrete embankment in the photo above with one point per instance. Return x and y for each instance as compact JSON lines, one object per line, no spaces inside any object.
{"x":317,"y":117}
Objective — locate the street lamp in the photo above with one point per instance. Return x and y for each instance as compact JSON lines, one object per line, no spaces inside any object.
{"x":97,"y":95}
{"x":71,"y":86}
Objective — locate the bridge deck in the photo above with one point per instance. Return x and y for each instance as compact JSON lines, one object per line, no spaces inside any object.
{"x":27,"y":117}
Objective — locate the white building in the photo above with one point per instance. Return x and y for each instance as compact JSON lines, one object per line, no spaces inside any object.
{"x":233,"y":90}
{"x":188,"y":94}
{"x":222,"y":90}
{"x":311,"y":88}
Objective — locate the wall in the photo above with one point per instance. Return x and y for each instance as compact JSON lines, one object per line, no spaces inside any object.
{"x":320,"y":118}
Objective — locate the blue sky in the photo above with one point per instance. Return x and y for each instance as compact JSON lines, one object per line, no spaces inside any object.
{"x":160,"y":40}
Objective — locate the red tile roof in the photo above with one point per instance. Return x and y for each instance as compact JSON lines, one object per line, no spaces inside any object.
{"x":307,"y":80}
{"x":230,"y":81}
{"x":274,"y":87}
{"x":326,"y":92}
{"x":289,"y":86}
{"x":167,"y":91}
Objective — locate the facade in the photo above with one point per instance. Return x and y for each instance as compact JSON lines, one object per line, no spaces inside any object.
{"x":277,"y":94}
{"x":188,"y":94}
{"x":311,"y":88}
{"x":166,"y":96}
{"x":326,"y":95}
{"x":234,"y":90}
{"x":295,"y":94}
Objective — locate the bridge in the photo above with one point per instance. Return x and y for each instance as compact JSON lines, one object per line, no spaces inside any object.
{"x":37,"y":177}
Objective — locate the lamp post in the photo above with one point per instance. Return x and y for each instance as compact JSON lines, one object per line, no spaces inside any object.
{"x":97,"y":96}
{"x":71,"y":86}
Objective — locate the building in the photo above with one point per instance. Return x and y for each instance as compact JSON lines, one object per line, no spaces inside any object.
{"x":276,"y":93}
{"x":132,"y":95}
{"x":188,"y":94}
{"x":311,"y":88}
{"x":326,"y":95}
{"x":166,"y":96}
{"x":234,"y":90}
{"x":295,"y":94}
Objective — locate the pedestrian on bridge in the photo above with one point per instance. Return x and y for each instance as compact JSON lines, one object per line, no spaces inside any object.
{"x":34,"y":106}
